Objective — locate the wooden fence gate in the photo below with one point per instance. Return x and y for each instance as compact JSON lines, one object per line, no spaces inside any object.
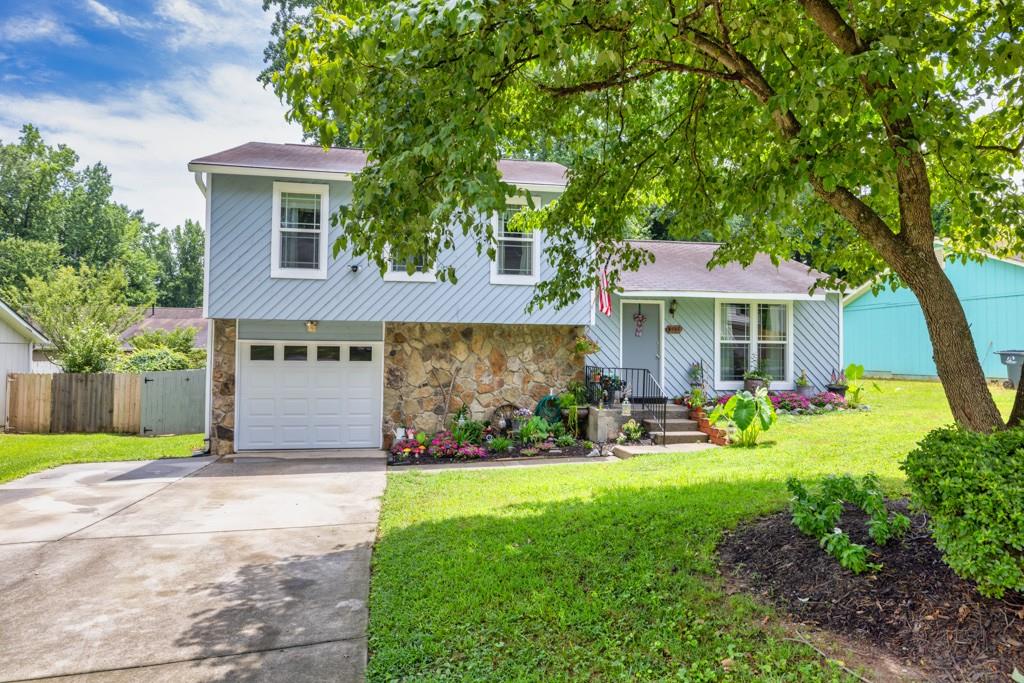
{"x":154,"y":403}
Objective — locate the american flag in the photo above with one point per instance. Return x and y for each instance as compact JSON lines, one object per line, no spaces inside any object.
{"x":604,"y":297}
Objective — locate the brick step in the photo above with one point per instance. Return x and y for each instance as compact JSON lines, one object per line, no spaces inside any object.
{"x":672,"y":424}
{"x":679,"y":437}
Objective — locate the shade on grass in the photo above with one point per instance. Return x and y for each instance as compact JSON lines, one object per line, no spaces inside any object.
{"x":607,"y":571}
{"x":22,"y":454}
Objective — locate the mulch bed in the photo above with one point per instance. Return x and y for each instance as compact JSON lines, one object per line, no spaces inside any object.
{"x":567,"y":452}
{"x":915,"y":609}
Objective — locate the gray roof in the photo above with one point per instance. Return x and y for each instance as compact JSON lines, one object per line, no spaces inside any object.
{"x":167,"y":319}
{"x":290,"y":157}
{"x":682,"y":267}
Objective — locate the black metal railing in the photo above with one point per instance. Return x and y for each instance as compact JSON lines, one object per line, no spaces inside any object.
{"x":609,"y":386}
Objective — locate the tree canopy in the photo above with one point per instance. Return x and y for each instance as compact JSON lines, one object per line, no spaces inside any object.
{"x":829,"y":131}
{"x":52,"y":214}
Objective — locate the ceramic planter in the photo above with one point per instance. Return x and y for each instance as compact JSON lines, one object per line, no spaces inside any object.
{"x":837,"y":389}
{"x":806,"y":391}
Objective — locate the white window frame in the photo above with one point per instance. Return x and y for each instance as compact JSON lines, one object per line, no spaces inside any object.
{"x":783,"y":384}
{"x":429,"y":275}
{"x":503,"y":279}
{"x":276,"y":271}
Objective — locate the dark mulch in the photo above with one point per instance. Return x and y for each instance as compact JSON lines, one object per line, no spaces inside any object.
{"x":915,"y":609}
{"x":567,"y":452}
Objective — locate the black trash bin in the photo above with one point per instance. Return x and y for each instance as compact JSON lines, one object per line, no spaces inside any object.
{"x":1014,"y":361}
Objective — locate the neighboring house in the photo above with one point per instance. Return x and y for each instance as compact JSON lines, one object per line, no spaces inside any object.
{"x":311,"y":351}
{"x":19,"y":344}
{"x":886,"y":332}
{"x":169,"y":319}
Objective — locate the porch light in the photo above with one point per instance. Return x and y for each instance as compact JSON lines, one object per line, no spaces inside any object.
{"x":311,"y":325}
{"x":672,"y":308}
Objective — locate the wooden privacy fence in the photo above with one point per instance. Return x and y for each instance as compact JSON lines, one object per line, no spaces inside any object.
{"x":149,"y":403}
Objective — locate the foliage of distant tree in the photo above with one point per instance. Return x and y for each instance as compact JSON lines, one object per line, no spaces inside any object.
{"x":156,"y":359}
{"x":53,"y":214}
{"x":178,"y":254}
{"x":832,"y":129}
{"x":180,"y":341}
{"x":82,"y":311}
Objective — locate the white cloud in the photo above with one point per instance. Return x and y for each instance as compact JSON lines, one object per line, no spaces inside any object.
{"x":147,"y":136}
{"x":30,"y":29}
{"x":110,"y":17}
{"x":215,"y":23}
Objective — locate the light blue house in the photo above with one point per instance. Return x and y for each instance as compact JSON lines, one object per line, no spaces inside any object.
{"x":308,"y":350}
{"x":886,"y":332}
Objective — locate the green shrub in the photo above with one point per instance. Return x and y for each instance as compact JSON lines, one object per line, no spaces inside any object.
{"x":565,"y":440}
{"x":468,"y":431}
{"x":631,"y":431}
{"x":155,"y":359}
{"x":972,"y":487}
{"x":499,"y":444}
{"x":535,"y":430}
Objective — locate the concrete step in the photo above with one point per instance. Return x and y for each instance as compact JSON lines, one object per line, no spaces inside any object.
{"x":672,"y":411}
{"x":672,"y":424}
{"x":664,"y":439}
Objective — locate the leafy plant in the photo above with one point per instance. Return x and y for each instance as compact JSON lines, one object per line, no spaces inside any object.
{"x":631,"y":431}
{"x":818,"y":516}
{"x":157,"y":359}
{"x":500,"y":444}
{"x":585,"y":345}
{"x":565,"y":440}
{"x":855,"y":390}
{"x":747,"y":414}
{"x":569,"y":402}
{"x":802,"y":380}
{"x":535,"y":430}
{"x":972,"y":487}
{"x":180,"y":340}
{"x":528,"y":452}
{"x":697,"y":399}
{"x":577,"y":389}
{"x":468,"y":431}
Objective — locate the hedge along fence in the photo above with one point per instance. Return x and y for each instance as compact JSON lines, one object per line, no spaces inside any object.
{"x":150,"y":403}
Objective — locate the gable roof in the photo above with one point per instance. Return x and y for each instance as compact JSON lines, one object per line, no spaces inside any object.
{"x":168,"y":319}
{"x":22,"y":326}
{"x":313,"y":159}
{"x":680,"y":269}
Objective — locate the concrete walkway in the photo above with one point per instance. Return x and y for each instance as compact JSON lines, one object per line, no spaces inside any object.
{"x":252,"y":569}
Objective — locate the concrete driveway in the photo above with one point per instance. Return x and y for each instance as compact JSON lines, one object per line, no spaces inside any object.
{"x":253,"y":569}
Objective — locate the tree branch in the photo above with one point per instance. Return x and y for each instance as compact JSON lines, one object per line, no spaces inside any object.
{"x":1015,"y":151}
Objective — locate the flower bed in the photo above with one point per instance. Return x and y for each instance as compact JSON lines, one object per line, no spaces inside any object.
{"x":792,"y":403}
{"x":404,"y":454}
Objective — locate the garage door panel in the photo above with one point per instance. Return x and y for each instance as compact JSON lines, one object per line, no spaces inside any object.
{"x":312,"y":403}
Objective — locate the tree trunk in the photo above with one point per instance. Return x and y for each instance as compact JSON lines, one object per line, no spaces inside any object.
{"x":1017,"y":414}
{"x":957,"y":363}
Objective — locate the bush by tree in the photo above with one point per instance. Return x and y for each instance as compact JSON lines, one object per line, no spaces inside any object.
{"x":153,"y":359}
{"x":972,"y":487}
{"x":82,"y":312}
{"x":180,"y":341}
{"x":849,"y":121}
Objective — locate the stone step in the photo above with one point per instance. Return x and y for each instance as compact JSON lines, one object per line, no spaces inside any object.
{"x":664,"y":439}
{"x":672,"y":424}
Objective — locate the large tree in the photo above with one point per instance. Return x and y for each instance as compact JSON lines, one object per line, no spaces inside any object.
{"x":848,"y":120}
{"x":179,"y":260}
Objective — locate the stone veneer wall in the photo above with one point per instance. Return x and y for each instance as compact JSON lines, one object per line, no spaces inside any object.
{"x":494,"y":365}
{"x":222,"y":418}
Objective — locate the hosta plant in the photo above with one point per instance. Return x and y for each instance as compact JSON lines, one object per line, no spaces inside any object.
{"x":746,"y":415}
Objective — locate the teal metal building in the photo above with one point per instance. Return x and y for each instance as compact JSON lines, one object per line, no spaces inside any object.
{"x":886,"y":332}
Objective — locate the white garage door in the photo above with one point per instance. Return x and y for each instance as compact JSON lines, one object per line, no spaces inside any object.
{"x":309,"y":395}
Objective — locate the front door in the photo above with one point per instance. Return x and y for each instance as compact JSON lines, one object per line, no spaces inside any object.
{"x":641,"y":337}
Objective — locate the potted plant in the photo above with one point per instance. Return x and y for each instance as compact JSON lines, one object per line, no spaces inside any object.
{"x":585,"y":345}
{"x":697,"y":401}
{"x":679,"y":400}
{"x":838,"y":383}
{"x":755,"y":379}
{"x":803,"y":385}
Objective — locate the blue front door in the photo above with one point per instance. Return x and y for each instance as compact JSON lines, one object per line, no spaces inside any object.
{"x":641,"y":337}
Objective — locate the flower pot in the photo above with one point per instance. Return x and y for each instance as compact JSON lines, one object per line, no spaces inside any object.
{"x":753,"y":385}
{"x":837,"y":389}
{"x":805,"y":391}
{"x":696,"y":413}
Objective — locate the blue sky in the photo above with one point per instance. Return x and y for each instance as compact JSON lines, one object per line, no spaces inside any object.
{"x":142,"y":85}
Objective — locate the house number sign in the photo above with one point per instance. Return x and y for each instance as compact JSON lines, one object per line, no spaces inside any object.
{"x":673,"y":329}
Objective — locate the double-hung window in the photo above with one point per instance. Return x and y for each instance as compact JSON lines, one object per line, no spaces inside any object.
{"x":518,"y":251}
{"x":398,"y":270}
{"x":752,"y":334}
{"x":300,"y":231}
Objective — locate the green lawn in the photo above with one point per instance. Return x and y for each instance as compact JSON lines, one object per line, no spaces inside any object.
{"x":607,"y":572}
{"x":22,"y":454}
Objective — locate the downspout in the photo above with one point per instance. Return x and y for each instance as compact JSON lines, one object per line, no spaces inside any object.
{"x":204,"y":187}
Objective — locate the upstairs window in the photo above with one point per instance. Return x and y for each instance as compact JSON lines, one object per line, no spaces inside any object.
{"x":299,"y":249}
{"x":518,"y":251}
{"x":398,"y":271}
